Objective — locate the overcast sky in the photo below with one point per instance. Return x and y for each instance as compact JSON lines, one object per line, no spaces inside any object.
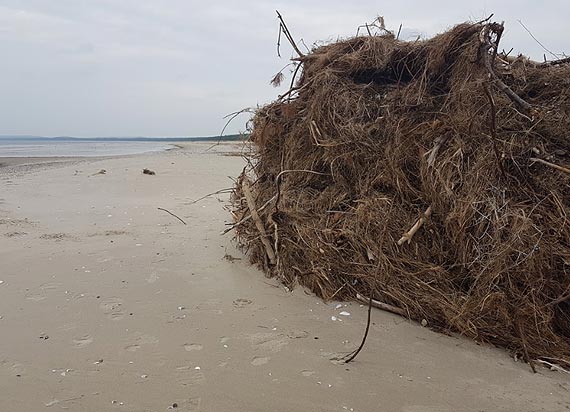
{"x":176,"y":67}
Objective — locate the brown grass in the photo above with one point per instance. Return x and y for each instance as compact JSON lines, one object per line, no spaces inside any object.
{"x":378,"y":130}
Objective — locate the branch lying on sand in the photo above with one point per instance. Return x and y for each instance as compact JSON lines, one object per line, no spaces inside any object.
{"x":407,"y":237}
{"x":257,"y":220}
{"x":383,"y":306}
{"x":169,"y":212}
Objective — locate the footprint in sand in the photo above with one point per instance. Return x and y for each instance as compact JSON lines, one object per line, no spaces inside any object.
{"x":140,"y":340}
{"x":272,"y":342}
{"x":210,"y":306}
{"x":297,"y":334}
{"x":112,"y":307}
{"x":190,"y":405}
{"x":49,"y":286}
{"x":36,"y":297}
{"x":15,"y":234}
{"x":307,"y":373}
{"x":132,"y":348}
{"x":40,"y":293}
{"x":152,"y":278}
{"x":82,"y":341}
{"x":188,"y":376}
{"x":242,"y":303}
{"x":260,"y":360}
{"x":58,"y":237}
{"x":189,"y":347}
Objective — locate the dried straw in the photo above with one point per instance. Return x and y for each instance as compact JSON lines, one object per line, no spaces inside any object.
{"x":382,"y":130}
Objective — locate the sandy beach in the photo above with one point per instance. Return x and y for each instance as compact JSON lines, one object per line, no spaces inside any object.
{"x":109,"y":304}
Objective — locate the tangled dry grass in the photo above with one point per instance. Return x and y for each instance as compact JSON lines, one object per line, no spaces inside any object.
{"x":430,"y":175}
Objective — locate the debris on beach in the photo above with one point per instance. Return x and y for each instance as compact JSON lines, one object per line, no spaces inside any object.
{"x":430,"y":177}
{"x":100,"y":172}
{"x":148,"y":172}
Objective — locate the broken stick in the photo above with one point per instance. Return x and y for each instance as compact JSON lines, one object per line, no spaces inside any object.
{"x":554,"y":166}
{"x":257,"y":220}
{"x":383,"y":306}
{"x":407,"y":237}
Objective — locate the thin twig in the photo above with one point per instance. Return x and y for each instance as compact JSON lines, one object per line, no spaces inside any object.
{"x":350,"y":357}
{"x":245,"y":219}
{"x":257,"y":220}
{"x":553,"y":366}
{"x":494,"y":127}
{"x":407,"y":237}
{"x":169,"y":212}
{"x":438,"y":143}
{"x":554,"y":166}
{"x":525,"y":350}
{"x":217,"y":192}
{"x":536,"y":40}
{"x":399,"y":30}
{"x":293,"y":77}
{"x":556,"y":62}
{"x":278,"y":181}
{"x":279,"y":40}
{"x":230,"y":118}
{"x":287,"y":33}
{"x":486,"y":47}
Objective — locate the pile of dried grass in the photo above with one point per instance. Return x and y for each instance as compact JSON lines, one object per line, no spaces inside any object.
{"x":380,"y":136}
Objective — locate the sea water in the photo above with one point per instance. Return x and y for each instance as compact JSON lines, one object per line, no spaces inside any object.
{"x":19,"y":148}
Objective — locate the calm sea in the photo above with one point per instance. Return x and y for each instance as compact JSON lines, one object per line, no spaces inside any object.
{"x":15,"y":148}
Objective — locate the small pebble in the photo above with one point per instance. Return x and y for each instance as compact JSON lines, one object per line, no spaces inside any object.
{"x":424,"y":323}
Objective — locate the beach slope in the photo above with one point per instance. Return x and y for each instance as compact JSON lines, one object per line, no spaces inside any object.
{"x":109,"y":304}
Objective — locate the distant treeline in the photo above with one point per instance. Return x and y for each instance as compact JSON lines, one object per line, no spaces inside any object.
{"x":228,"y":137}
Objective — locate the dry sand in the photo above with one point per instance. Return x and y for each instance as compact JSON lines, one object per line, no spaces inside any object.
{"x":109,"y":304}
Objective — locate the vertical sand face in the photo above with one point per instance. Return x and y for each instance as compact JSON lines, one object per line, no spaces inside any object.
{"x":107,"y":303}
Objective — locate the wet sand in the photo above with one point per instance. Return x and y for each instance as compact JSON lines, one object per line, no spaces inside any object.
{"x":109,"y":304}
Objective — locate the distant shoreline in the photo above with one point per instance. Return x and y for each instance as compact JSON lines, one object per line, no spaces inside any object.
{"x":27,"y":138}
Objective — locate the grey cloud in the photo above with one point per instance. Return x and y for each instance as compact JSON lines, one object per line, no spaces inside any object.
{"x":176,"y":67}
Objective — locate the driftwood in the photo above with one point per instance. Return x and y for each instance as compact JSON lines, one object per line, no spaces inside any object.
{"x":383,"y":306}
{"x":257,"y":220}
